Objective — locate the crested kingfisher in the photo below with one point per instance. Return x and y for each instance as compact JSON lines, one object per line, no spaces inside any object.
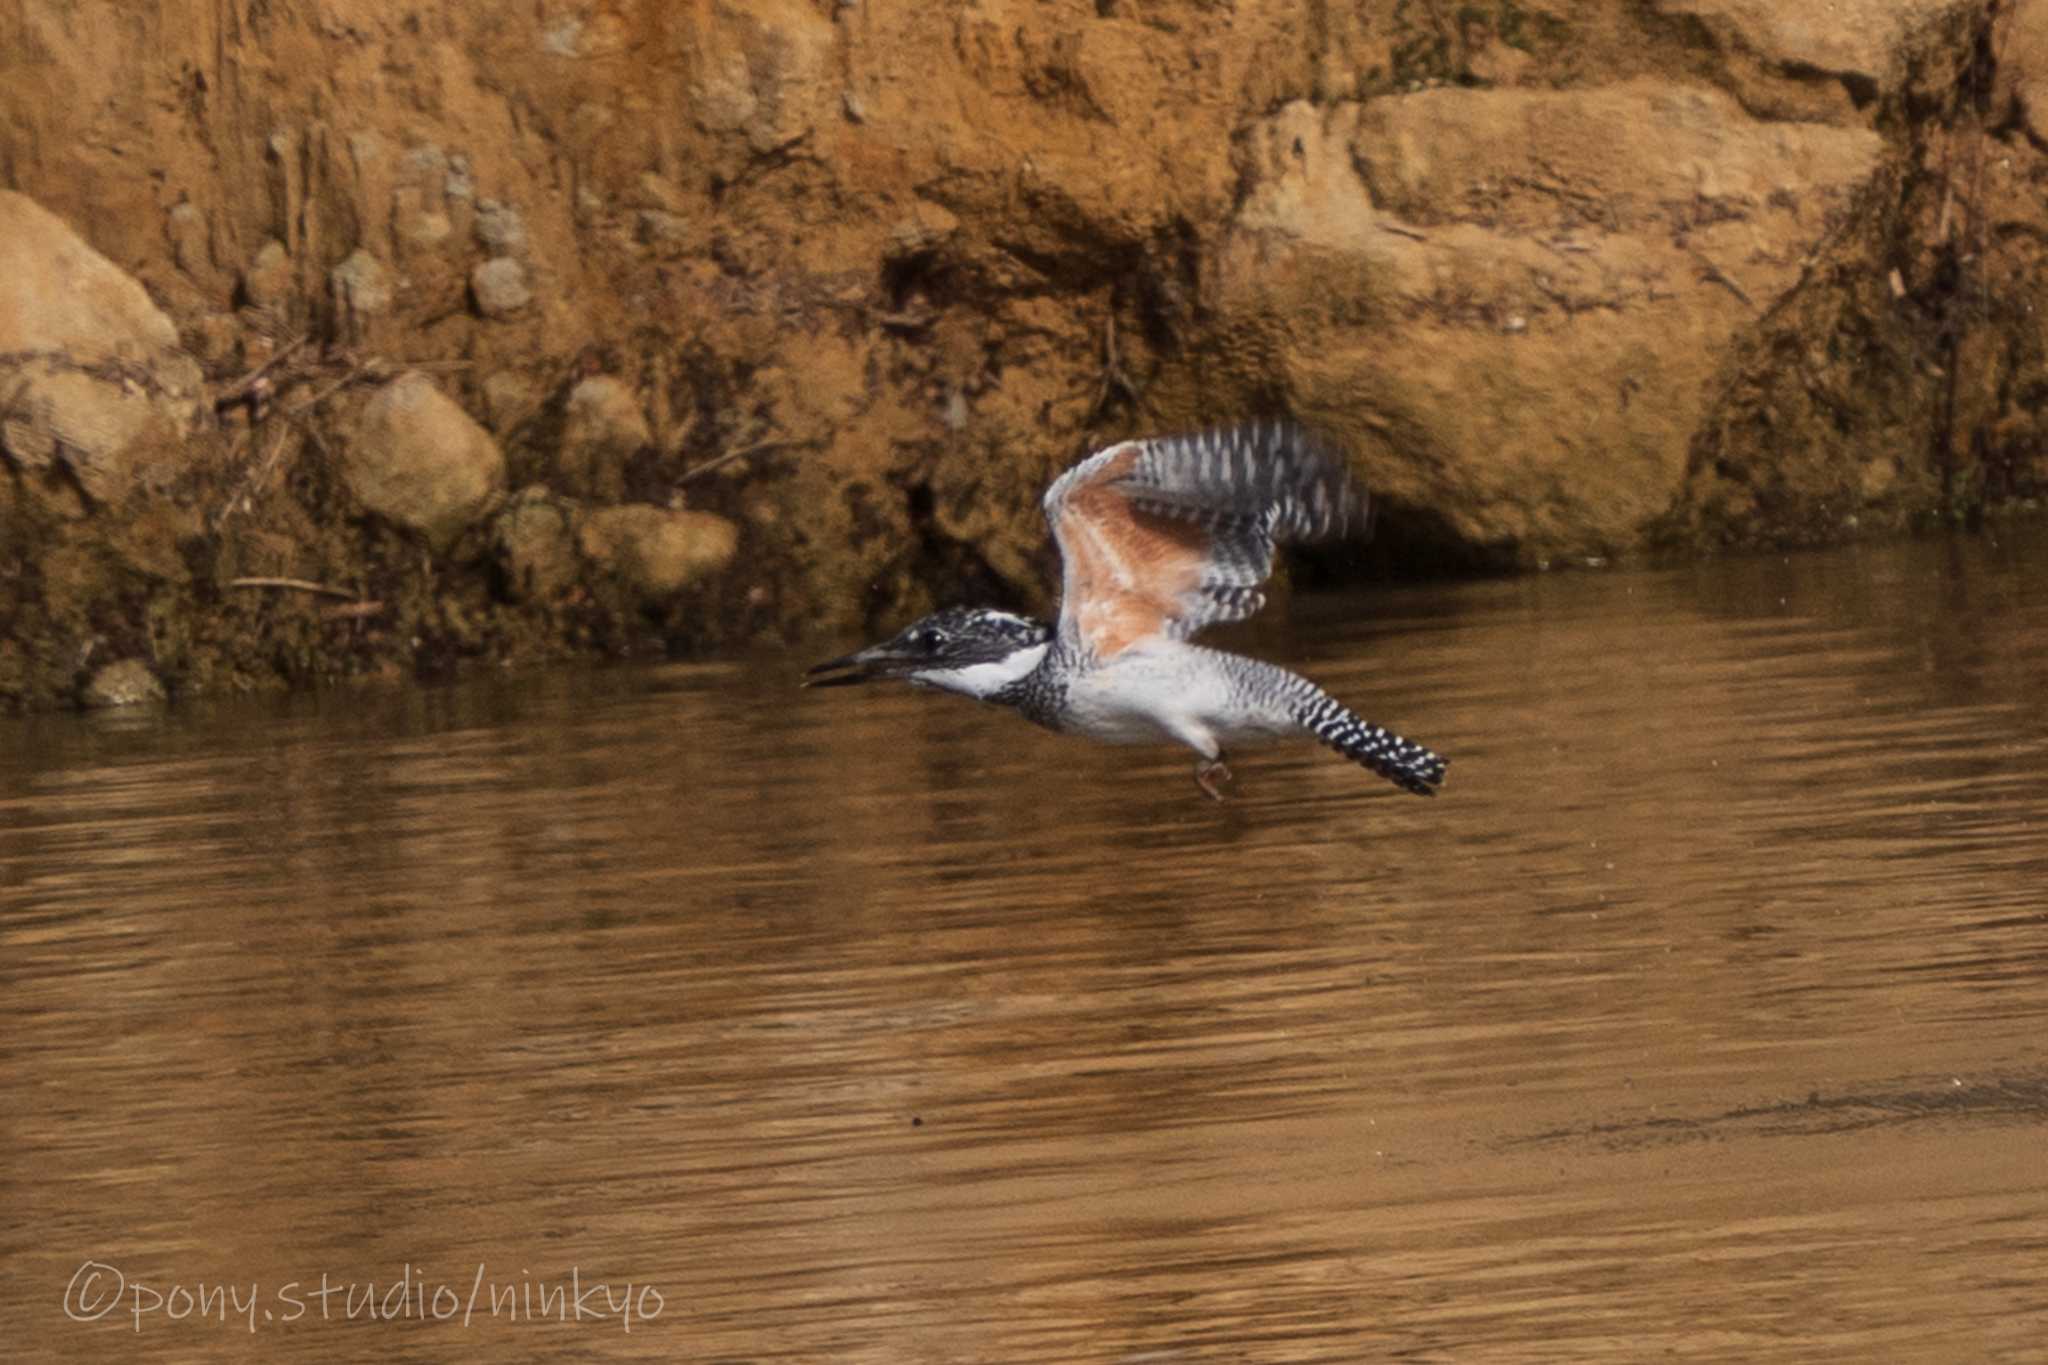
{"x":1158,"y":539}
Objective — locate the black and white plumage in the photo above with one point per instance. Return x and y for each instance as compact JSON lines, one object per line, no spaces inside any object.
{"x":1159,"y":539}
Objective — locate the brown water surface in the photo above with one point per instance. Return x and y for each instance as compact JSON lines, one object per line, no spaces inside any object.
{"x":1704,"y":1015}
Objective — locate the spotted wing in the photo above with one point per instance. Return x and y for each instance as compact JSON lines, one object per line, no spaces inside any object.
{"x":1170,"y":535}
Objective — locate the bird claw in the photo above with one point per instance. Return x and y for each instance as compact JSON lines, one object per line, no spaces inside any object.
{"x":1206,"y":774}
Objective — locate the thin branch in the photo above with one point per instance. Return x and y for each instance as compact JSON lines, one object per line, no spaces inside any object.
{"x":905,"y":322}
{"x":240,"y":387}
{"x":356,"y":372}
{"x":731,"y":455}
{"x":1712,"y":274}
{"x":294,"y":585}
{"x":1114,"y":380}
{"x":673,"y":445}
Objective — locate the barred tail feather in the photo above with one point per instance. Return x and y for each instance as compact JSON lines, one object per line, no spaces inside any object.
{"x":1403,"y":762}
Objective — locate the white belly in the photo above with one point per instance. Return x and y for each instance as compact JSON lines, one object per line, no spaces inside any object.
{"x":1172,"y":692}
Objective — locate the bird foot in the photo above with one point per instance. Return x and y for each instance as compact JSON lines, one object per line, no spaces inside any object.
{"x":1207,"y":774}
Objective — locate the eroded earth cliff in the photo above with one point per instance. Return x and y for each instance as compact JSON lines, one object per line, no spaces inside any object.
{"x":347,"y":337}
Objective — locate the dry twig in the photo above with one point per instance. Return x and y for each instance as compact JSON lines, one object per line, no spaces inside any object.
{"x":730,"y":456}
{"x":1114,"y":379}
{"x":1711,"y":274}
{"x":375,"y":364}
{"x":294,"y":585}
{"x":238,"y":392}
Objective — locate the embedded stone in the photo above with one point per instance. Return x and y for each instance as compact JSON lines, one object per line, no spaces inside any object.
{"x":602,"y":427}
{"x":92,"y":374}
{"x":418,"y":460}
{"x":267,"y":282}
{"x":535,"y":543}
{"x":191,"y":244}
{"x":500,"y":228}
{"x":508,"y":397}
{"x":126,"y":683}
{"x":499,"y":288}
{"x":657,"y":550}
{"x":362,"y":289}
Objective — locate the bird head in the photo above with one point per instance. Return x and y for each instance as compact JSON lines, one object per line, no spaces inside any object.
{"x":976,"y":651}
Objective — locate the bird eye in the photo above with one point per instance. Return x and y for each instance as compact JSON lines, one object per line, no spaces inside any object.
{"x":927,"y":639}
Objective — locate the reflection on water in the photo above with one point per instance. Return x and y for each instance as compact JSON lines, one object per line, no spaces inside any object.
{"x":1703,"y":1014}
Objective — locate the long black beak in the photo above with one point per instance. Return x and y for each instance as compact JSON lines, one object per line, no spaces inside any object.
{"x":865,"y":665}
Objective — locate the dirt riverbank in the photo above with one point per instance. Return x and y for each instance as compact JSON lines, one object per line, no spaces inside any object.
{"x":379,"y":339}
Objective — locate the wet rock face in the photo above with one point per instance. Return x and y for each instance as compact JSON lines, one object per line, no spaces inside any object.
{"x":95,"y":390}
{"x":417,"y":459}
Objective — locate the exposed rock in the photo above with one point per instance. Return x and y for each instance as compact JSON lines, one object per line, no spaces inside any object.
{"x":426,"y":165}
{"x":508,"y":397}
{"x":499,"y":288}
{"x":535,"y":540}
{"x":93,"y":380}
{"x":1902,"y":378}
{"x":602,"y":427}
{"x":267,"y":282}
{"x":2024,"y":72}
{"x":126,"y":683}
{"x":766,"y":73}
{"x":420,"y":227}
{"x":657,"y":228}
{"x":500,"y":228}
{"x":213,"y":338}
{"x":461,"y":182}
{"x":1647,"y":155}
{"x":563,"y":39}
{"x":417,"y":459}
{"x":1519,"y":297}
{"x":654,"y":550}
{"x":1526,"y":259}
{"x":601,"y":35}
{"x":1856,"y":38}
{"x":191,"y":241}
{"x":363,"y":292}
{"x":662,"y":211}
{"x":653,"y":191}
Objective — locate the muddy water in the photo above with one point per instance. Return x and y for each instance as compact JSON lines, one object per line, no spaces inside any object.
{"x":1706,"y":1014}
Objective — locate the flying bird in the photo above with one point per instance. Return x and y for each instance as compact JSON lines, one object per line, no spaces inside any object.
{"x":1160,"y":538}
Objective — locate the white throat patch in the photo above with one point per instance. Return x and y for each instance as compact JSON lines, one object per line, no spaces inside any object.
{"x":984,"y":679}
